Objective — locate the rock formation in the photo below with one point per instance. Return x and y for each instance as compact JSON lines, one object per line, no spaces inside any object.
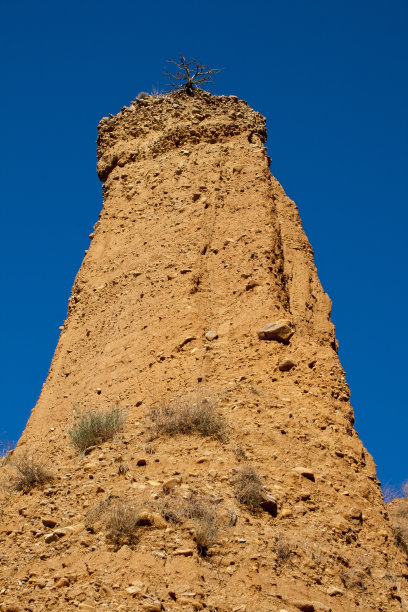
{"x":198,"y":289}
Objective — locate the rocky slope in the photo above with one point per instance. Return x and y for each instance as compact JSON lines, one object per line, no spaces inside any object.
{"x":196,"y":250}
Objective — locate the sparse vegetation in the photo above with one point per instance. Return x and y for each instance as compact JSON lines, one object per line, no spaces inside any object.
{"x":201,"y":510}
{"x":93,"y":427}
{"x":353,"y":578}
{"x":206,"y":534}
{"x":119,"y":519}
{"x":121,"y":523}
{"x":6,"y":451}
{"x":249,"y":489}
{"x":399,"y":518}
{"x":397,"y":502}
{"x":30,"y":473}
{"x":240,"y":453}
{"x":188,"y":415}
{"x":282,"y":549}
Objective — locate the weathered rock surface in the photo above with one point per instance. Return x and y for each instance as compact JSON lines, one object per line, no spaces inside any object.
{"x":196,"y":235}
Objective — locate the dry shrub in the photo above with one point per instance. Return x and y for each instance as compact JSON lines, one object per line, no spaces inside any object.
{"x":390,"y":493}
{"x":121,"y":523}
{"x":353,"y":578}
{"x":120,"y":520}
{"x":249,"y":489}
{"x":282,"y":549}
{"x":94,"y":518}
{"x":93,"y":427}
{"x":200,"y":509}
{"x":206,"y":534}
{"x":240,"y":453}
{"x":31,"y":473}
{"x":401,"y":535}
{"x":398,"y":510}
{"x":188,"y":415}
{"x":173,"y":508}
{"x":6,"y":452}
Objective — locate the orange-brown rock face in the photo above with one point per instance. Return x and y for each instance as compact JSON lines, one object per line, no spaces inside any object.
{"x":197,"y":250}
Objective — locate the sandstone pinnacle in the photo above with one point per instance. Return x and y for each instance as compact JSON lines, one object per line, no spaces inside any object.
{"x":197,"y":282}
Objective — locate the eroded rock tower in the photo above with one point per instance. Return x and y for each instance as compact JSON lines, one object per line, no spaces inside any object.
{"x":196,"y":251}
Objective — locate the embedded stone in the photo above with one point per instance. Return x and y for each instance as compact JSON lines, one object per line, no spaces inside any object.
{"x":133,"y":590}
{"x":48,"y":522}
{"x":185,"y":552}
{"x":152,"y":606}
{"x":50,"y":537}
{"x":306,"y":472}
{"x":281,"y":331}
{"x":171,"y":483}
{"x":333,"y":591}
{"x":286,"y":512}
{"x":270,"y":504}
{"x":287,"y":364}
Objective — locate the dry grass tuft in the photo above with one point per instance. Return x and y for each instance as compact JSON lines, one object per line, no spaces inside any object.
{"x":31,"y":473}
{"x":188,"y":415}
{"x":249,"y":489}
{"x":93,"y":427}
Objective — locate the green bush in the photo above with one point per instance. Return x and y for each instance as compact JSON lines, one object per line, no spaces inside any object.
{"x":93,"y":427}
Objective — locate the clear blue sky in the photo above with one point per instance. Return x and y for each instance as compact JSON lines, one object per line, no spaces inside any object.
{"x":331,"y":78}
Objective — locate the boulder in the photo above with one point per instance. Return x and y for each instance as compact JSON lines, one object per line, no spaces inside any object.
{"x":281,"y":331}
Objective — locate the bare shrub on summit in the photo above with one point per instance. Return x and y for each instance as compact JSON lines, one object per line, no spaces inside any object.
{"x":93,"y":427}
{"x":30,"y":473}
{"x":249,"y":489}
{"x":188,"y":415}
{"x":190,"y":74}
